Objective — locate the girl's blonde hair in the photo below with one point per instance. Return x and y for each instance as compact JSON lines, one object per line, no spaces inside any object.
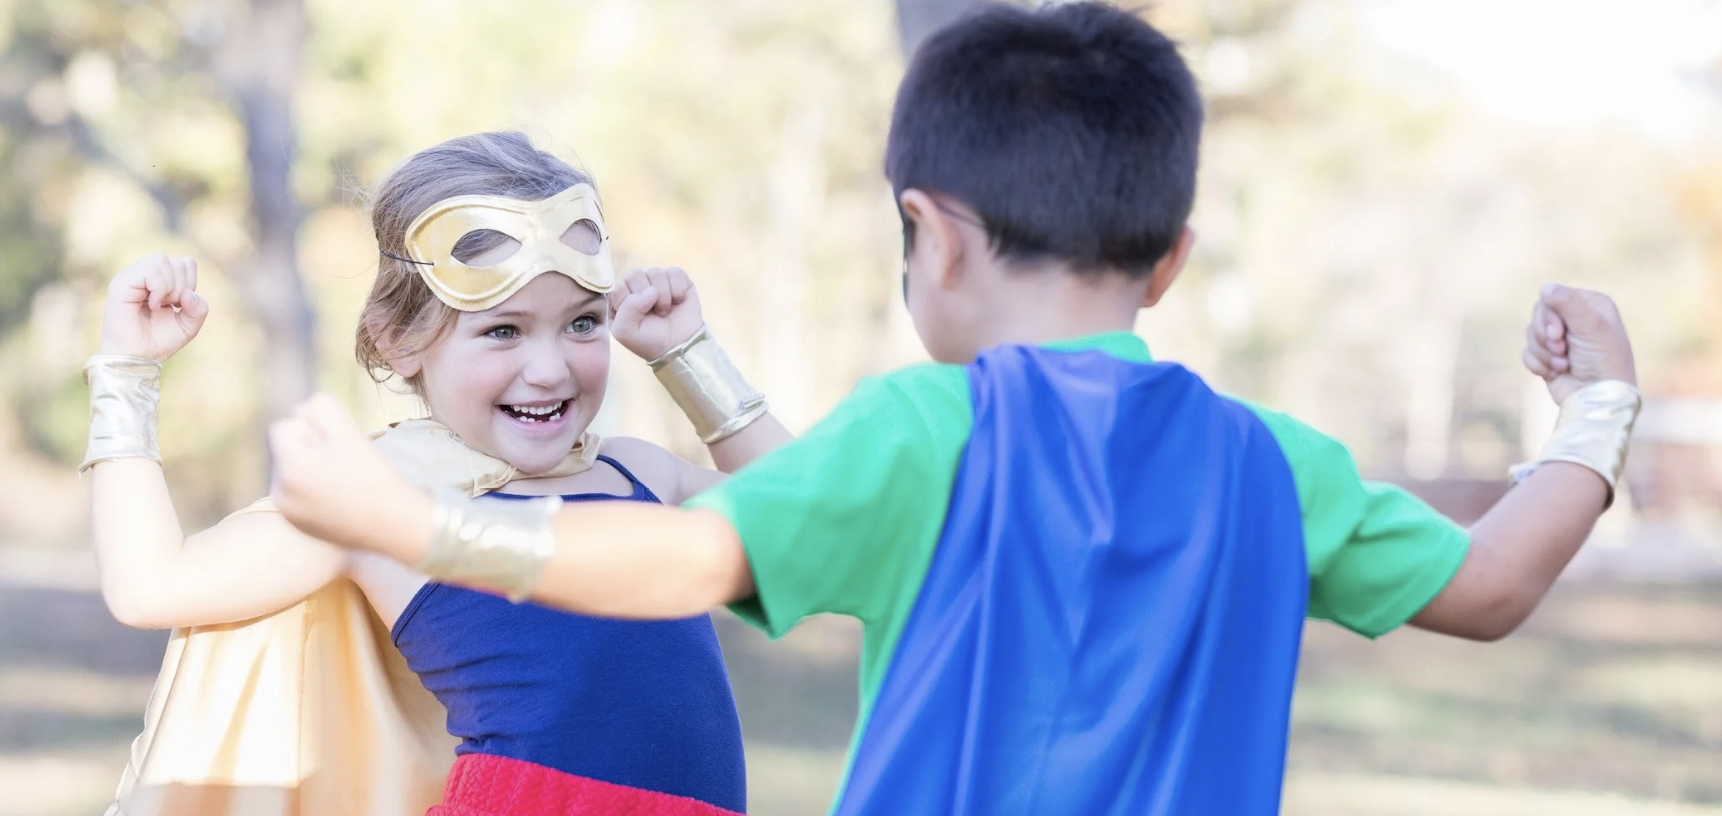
{"x":402,"y":316}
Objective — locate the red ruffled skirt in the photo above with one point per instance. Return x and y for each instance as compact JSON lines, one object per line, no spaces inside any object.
{"x":481,"y":785}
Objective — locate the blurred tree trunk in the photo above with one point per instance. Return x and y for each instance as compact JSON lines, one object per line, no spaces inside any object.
{"x":918,"y":18}
{"x":259,"y":64}
{"x":795,"y":192}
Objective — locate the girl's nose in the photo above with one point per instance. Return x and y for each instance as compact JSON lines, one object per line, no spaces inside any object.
{"x":545,"y":366}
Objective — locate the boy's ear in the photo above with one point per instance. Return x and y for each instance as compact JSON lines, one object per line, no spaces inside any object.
{"x":1167,"y":268}
{"x":938,"y":247}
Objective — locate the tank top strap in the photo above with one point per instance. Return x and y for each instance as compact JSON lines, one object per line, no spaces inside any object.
{"x":641,"y":491}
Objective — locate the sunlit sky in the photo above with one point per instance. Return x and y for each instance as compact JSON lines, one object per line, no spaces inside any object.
{"x":1629,"y":62}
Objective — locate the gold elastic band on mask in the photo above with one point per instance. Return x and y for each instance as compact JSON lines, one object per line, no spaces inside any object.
{"x":499,"y":544}
{"x":124,"y":394}
{"x":1594,"y":429}
{"x":708,"y":387}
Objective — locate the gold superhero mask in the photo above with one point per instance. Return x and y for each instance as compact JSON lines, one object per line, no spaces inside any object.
{"x":541,"y":227}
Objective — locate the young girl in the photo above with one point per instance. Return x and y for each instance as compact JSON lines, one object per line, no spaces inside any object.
{"x":495,"y":301}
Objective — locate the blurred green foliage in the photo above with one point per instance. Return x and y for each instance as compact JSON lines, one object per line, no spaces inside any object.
{"x":1370,"y":242}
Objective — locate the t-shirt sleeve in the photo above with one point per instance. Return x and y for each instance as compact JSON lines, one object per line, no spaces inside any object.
{"x":845,"y":518}
{"x":1377,"y":555}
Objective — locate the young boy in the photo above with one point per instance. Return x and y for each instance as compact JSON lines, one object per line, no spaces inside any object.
{"x":1083,"y":575}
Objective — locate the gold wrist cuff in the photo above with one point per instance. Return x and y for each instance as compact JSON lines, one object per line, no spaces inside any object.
{"x":1594,"y":429}
{"x":708,"y":387}
{"x":499,"y":544}
{"x":124,"y":394}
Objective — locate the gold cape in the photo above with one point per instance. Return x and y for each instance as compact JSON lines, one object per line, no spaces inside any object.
{"x":309,"y":711}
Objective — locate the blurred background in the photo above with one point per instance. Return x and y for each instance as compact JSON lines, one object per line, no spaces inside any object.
{"x":1385,"y":184}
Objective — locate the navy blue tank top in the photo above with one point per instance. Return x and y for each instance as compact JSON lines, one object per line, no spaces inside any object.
{"x":640,"y":703}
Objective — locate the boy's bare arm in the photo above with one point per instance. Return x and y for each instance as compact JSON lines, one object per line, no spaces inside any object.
{"x":1575,"y":339}
{"x":1518,"y":549}
{"x":636,"y":560}
{"x":628,"y":560}
{"x":612,"y":559}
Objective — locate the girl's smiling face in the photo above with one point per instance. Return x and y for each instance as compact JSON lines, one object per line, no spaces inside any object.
{"x":522,"y":380}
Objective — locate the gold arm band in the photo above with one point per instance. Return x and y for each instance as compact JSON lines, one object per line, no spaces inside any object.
{"x":708,"y":387}
{"x":499,"y":544}
{"x":124,"y":395}
{"x":1594,"y":429}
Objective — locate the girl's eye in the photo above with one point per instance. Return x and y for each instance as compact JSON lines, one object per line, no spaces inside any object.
{"x":503,"y":333}
{"x":585,"y":324}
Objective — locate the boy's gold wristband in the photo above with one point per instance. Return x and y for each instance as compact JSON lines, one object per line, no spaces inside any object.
{"x":708,"y":387}
{"x":499,"y":544}
{"x":125,"y":393}
{"x":1594,"y":429}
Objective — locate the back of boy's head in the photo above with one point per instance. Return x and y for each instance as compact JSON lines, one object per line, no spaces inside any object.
{"x":1071,"y":130}
{"x":401,"y":312}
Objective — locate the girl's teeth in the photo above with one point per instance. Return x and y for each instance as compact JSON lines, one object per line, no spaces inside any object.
{"x":530,"y":413}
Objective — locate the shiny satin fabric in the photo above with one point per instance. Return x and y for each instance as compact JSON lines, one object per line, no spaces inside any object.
{"x":125,"y":393}
{"x":1594,"y":430}
{"x":432,"y":457}
{"x":1110,"y":624}
{"x":708,"y":387}
{"x":537,"y":225}
{"x":310,"y":711}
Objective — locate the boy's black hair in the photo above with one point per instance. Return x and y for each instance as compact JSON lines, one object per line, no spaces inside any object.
{"x":1071,"y":130}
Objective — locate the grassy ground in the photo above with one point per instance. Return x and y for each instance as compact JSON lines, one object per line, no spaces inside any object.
{"x":1609,"y":702}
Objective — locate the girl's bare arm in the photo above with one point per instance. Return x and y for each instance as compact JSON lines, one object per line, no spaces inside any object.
{"x":759,"y":438}
{"x":154,"y":577}
{"x":657,"y":310}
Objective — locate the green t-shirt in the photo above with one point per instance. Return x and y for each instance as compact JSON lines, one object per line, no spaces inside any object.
{"x":846,"y":518}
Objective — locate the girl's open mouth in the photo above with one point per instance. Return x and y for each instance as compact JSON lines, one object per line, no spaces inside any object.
{"x":536,"y":413}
